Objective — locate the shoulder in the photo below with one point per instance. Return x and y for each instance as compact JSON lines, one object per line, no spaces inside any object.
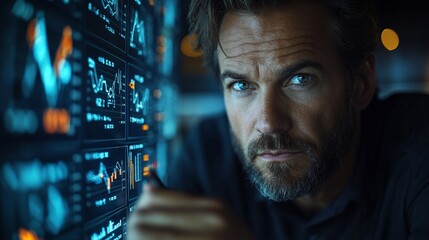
{"x":402,"y":125}
{"x":412,"y":171}
{"x":403,"y":147}
{"x":398,"y":119}
{"x":397,"y":172}
{"x":396,"y":134}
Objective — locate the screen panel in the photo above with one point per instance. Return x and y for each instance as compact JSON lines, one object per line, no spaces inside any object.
{"x":82,"y":113}
{"x":105,"y":95}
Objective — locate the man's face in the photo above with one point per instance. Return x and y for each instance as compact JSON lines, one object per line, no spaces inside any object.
{"x":286,"y":97}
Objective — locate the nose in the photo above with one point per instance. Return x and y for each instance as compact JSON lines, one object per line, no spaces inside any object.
{"x":273,"y":114}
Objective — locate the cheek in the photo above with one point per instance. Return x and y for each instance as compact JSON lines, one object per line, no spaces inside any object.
{"x":315,"y":121}
{"x":311,"y":126}
{"x":240,"y":119}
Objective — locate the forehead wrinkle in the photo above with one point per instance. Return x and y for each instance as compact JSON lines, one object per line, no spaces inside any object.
{"x":249,"y":69}
{"x":271,"y":36}
{"x":247,"y":48}
{"x":283,"y":49}
{"x":297,"y":52}
{"x":258,"y":59}
{"x":256,"y":66}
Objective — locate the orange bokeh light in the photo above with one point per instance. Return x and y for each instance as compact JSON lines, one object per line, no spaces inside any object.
{"x":389,"y":39}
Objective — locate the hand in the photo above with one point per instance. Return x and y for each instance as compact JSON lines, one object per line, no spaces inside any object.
{"x":167,"y":214}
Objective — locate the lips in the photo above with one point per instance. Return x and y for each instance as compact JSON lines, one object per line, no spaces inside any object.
{"x":278,"y":155}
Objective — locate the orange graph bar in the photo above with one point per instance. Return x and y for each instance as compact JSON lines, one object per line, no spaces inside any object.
{"x":132,"y":85}
{"x":146,"y":157}
{"x":146,"y":171}
{"x":31,"y":32}
{"x":116,"y":175}
{"x":108,"y":184}
{"x":25,"y":234}
{"x":64,"y":50}
{"x":56,"y":120}
{"x":131,"y":174}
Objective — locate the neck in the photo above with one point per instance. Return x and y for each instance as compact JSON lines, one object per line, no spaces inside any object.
{"x":332,"y":187}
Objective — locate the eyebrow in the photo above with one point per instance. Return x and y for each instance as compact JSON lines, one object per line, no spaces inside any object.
{"x":286,"y":72}
{"x":231,"y":74}
{"x":283,"y":73}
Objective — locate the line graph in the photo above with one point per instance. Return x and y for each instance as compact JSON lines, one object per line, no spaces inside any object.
{"x":102,"y":176}
{"x":138,"y":35}
{"x":140,"y":101}
{"x":107,"y":19}
{"x":105,"y":179}
{"x":141,"y":40}
{"x":113,"y":7}
{"x":99,"y":83}
{"x":105,"y":95}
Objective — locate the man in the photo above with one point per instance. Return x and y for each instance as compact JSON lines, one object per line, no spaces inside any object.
{"x":306,"y":150}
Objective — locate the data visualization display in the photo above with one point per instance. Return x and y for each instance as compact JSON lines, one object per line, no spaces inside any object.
{"x":82,"y":111}
{"x":142,"y":104}
{"x":107,"y":19}
{"x":141,"y":160}
{"x":45,"y":71}
{"x":105,"y":180}
{"x":114,"y":227}
{"x":43,"y":193}
{"x":141,"y":37}
{"x":105,"y":95}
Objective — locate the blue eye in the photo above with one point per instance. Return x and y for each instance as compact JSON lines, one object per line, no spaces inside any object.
{"x":241,"y":86}
{"x":300,"y":79}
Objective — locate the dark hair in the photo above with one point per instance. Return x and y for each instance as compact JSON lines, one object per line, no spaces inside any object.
{"x":352,"y":22}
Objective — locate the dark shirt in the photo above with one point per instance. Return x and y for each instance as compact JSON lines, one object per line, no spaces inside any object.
{"x":388,"y":197}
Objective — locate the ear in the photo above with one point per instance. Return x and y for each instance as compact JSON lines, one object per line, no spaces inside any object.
{"x":364,"y":86}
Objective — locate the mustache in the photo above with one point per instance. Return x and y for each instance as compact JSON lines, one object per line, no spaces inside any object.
{"x":275,"y":141}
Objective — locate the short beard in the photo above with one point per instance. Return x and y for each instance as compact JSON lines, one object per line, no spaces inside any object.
{"x":270,"y":181}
